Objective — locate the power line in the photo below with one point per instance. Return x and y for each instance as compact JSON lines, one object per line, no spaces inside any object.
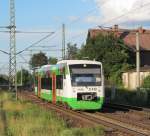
{"x":89,"y":12}
{"x":26,"y":32}
{"x":32,"y":32}
{"x":110,"y":20}
{"x":44,"y":50}
{"x":78,"y":35}
{"x":23,"y":58}
{"x":81,"y":17}
{"x":4,"y":52}
{"x":35,"y":43}
{"x":46,"y":46}
{"x":3,"y":26}
{"x":116,"y":18}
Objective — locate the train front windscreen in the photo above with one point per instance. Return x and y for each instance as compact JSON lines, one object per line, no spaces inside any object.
{"x":85,"y":74}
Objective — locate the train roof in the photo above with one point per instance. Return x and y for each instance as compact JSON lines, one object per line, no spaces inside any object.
{"x":47,"y":70}
{"x":69,"y":62}
{"x":59,"y":67}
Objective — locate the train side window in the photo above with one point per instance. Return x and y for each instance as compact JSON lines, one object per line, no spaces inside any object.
{"x":46,"y":83}
{"x":59,"y":82}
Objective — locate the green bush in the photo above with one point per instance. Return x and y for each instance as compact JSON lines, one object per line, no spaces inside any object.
{"x":146,"y":82}
{"x":123,"y":96}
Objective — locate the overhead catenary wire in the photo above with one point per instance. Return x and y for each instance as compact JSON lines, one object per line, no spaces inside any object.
{"x":48,"y":32}
{"x":47,"y":50}
{"x":26,"y":32}
{"x":116,"y":18}
{"x":35,"y":43}
{"x":3,"y":27}
{"x":76,"y":36}
{"x":124,"y":14}
{"x":81,"y":17}
{"x":50,"y":36}
{"x":88,"y":13}
{"x":23,"y":58}
{"x":4,"y":52}
{"x":43,"y":46}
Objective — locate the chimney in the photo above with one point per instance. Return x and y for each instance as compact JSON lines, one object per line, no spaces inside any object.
{"x":115,"y":28}
{"x":141,"y":30}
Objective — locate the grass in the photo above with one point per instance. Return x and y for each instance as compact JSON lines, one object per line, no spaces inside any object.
{"x":26,"y":119}
{"x":1,"y":127}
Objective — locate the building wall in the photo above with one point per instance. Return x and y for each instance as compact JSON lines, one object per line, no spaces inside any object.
{"x":130,"y":79}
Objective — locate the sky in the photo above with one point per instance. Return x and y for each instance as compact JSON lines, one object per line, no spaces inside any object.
{"x":77,"y":15}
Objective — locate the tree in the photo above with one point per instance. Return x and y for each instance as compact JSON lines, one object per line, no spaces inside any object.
{"x":26,"y":77}
{"x":38,"y":60}
{"x":72,"y":51}
{"x":112,"y":52}
{"x":52,"y":60}
{"x":4,"y":80}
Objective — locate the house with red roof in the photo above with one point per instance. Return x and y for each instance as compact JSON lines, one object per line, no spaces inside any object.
{"x":129,"y":78}
{"x":129,"y":38}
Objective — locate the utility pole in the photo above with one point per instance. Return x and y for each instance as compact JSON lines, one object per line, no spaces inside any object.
{"x":21,"y":77}
{"x":12,"y":57}
{"x":138,"y":59}
{"x":63,"y":42}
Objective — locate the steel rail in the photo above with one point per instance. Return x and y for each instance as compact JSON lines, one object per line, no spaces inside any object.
{"x":123,"y":106}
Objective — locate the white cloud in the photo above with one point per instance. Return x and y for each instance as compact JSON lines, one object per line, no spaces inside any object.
{"x":110,"y":9}
{"x":73,"y":18}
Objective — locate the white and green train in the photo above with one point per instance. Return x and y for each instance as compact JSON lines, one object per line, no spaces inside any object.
{"x":78,"y":84}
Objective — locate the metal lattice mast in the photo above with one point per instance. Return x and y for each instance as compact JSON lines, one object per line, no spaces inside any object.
{"x":12,"y":59}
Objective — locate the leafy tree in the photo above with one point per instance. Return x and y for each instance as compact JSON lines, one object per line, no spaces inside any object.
{"x":4,"y":80}
{"x":38,"y":60}
{"x":52,"y":60}
{"x":26,"y":77}
{"x":146,"y":82}
{"x":112,"y":52}
{"x":72,"y":51}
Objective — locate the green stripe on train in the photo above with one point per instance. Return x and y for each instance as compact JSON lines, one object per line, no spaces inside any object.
{"x":74,"y":104}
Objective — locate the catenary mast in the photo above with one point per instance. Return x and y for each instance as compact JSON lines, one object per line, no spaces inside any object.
{"x":12,"y":57}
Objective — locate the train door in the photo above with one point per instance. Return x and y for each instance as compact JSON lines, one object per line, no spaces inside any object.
{"x":59,"y":86}
{"x":39,"y":86}
{"x":35,"y":85}
{"x":54,"y":88}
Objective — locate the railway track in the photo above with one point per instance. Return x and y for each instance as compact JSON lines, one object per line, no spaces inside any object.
{"x":139,"y":114}
{"x":122,"y":125}
{"x":126,"y":107}
{"x":111,"y":125}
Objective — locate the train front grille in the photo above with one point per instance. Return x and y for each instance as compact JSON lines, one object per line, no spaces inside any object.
{"x":92,"y":96}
